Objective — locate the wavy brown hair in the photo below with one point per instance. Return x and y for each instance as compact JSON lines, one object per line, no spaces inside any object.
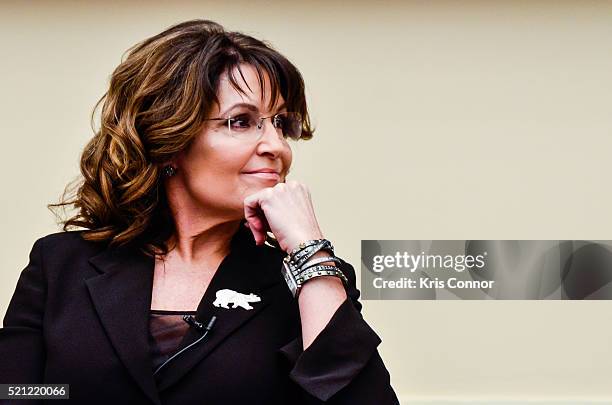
{"x":156,"y":104}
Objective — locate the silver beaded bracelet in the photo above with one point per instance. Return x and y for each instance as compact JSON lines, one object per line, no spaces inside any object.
{"x":297,"y":269}
{"x":305,"y":244}
{"x":300,"y":257}
{"x":336,"y":273}
{"x":314,"y":269}
{"x":314,"y":262}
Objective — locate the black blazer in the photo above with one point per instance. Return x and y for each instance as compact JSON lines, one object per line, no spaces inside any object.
{"x":79,"y":316}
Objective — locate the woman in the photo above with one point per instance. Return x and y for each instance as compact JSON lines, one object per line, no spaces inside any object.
{"x":174,"y":293}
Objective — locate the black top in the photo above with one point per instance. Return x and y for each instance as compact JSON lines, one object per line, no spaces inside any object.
{"x":166,"y":331}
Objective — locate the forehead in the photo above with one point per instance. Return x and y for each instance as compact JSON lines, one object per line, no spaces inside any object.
{"x":247,"y":88}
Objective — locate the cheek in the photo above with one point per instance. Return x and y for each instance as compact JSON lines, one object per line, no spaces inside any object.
{"x":223,"y":158}
{"x":224,"y":172}
{"x":213,"y":171}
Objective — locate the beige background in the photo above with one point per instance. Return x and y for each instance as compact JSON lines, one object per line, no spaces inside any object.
{"x":436,"y":120}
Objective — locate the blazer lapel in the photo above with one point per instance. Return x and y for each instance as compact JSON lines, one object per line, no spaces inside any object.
{"x":121,"y":295}
{"x":245,"y":270}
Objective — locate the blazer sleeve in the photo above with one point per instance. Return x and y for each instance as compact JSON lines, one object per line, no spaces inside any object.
{"x":21,"y":338}
{"x":342,"y":365}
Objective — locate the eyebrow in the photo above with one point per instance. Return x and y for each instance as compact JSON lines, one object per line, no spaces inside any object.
{"x":248,"y":106}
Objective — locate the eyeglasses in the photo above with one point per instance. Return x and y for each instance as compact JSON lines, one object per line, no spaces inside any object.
{"x":249,"y":126}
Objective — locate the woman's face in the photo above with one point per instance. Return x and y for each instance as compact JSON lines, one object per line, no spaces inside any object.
{"x":213,"y":171}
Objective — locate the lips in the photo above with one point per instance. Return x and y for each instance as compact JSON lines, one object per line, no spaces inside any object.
{"x":265,"y":175}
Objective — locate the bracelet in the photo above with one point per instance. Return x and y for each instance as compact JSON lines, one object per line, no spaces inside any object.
{"x":298,"y":257}
{"x":311,"y":263}
{"x":298,"y":268}
{"x":305,"y":244}
{"x":337,"y":273}
{"x":315,"y":269}
{"x":303,"y":255}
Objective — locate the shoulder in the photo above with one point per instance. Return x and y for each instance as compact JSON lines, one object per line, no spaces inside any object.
{"x":62,"y":237}
{"x":66,"y":243}
{"x":61,"y":260}
{"x":58,"y":239}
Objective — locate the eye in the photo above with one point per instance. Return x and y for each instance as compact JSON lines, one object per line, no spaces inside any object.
{"x":241,"y":122}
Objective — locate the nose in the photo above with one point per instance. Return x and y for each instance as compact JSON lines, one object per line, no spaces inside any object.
{"x":271,"y":140}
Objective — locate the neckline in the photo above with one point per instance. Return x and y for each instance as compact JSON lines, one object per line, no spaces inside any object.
{"x":242,"y":238}
{"x":167,"y":312}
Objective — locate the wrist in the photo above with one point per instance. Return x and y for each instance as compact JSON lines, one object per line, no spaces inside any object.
{"x":322,"y":285}
{"x":294,"y":243}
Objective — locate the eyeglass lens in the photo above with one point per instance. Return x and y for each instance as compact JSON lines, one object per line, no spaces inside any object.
{"x":289,"y":123}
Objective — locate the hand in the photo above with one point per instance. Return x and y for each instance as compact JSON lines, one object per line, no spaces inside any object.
{"x":285,"y":210}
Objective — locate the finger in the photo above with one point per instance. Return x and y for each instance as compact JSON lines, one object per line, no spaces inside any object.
{"x":253,"y":215}
{"x":265,"y":225}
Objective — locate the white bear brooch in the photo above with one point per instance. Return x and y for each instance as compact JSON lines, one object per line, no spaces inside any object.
{"x":227,"y":296}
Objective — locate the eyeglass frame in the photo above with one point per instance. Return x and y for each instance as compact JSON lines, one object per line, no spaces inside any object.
{"x":260,"y":124}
